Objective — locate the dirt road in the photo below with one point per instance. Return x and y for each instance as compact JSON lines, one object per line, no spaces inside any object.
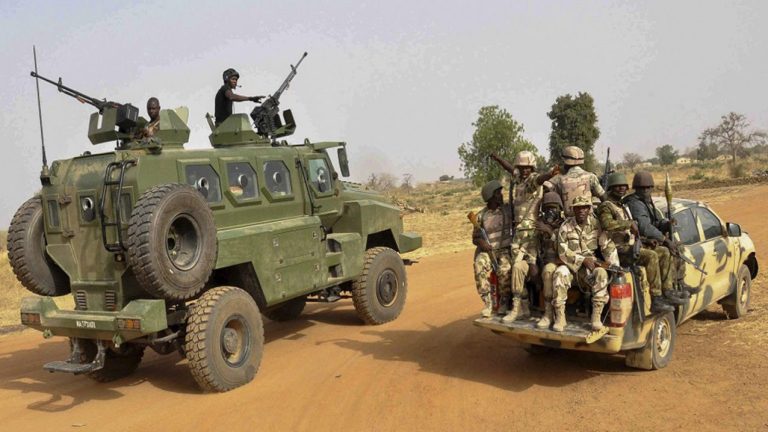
{"x":429,"y":370}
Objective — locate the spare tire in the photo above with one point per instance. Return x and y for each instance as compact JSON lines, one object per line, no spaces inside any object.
{"x":26,"y":252}
{"x":172,"y":241}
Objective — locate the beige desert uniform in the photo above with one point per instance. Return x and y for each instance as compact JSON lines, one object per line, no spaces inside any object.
{"x":525,"y":196}
{"x":574,"y":183}
{"x":498,"y":226}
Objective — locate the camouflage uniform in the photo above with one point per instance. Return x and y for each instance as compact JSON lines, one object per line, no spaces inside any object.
{"x":550,"y":260}
{"x":576,"y":182}
{"x":498,"y":226}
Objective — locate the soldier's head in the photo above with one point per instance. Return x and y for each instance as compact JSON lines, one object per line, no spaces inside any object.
{"x":642,"y":183}
{"x":525,"y":162}
{"x":153,"y":108}
{"x":491,"y":194}
{"x":572,"y":156}
{"x":551,"y":208}
{"x":617,"y":184}
{"x":582,"y":206}
{"x":230,"y":77}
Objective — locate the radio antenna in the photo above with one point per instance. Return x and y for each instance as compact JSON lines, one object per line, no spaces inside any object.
{"x":40,"y":115}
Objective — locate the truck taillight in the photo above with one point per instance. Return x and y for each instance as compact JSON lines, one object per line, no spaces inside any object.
{"x":30,"y":318}
{"x":621,"y":302}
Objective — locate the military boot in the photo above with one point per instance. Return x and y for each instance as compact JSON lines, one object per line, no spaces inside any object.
{"x":524,"y":311}
{"x":559,"y":324}
{"x":658,"y":305}
{"x":503,"y":304}
{"x":546,"y":318}
{"x":597,"y":310}
{"x":514,"y":314}
{"x":488,"y":302}
{"x":671,"y":297}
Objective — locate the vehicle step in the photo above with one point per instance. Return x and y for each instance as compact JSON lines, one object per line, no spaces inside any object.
{"x":68,"y":367}
{"x":574,"y":330}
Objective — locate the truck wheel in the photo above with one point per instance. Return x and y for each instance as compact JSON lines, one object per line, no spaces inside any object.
{"x":287,"y":311}
{"x":118,"y":362}
{"x":736,"y":304}
{"x":26,"y":252}
{"x":379,"y":292}
{"x":225,"y":339}
{"x":172,"y":241}
{"x":657,"y":352}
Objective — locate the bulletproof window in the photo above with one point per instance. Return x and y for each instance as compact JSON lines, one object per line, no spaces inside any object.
{"x":320,"y":175}
{"x":53,"y":213}
{"x":241,"y":179}
{"x":709,"y":223}
{"x":686,"y":227}
{"x":277,"y":177}
{"x":205,"y":180}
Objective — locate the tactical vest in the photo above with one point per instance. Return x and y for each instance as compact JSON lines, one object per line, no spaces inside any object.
{"x":572,"y":186}
{"x":498,"y":226}
{"x":619,"y":212}
{"x":549,"y":247}
{"x":526,"y":205}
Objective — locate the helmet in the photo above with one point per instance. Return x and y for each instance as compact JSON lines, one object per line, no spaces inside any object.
{"x":525,"y":158}
{"x":616,"y":179}
{"x":229,"y":73}
{"x":552,"y":198}
{"x":642,"y":179}
{"x":582,"y":201}
{"x":572,"y":155}
{"x":489,"y":189}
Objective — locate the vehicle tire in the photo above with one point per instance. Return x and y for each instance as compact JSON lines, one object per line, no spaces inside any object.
{"x":118,"y":362}
{"x":27,"y":256}
{"x":287,"y":311}
{"x":379,"y":292}
{"x":737,"y":304}
{"x":225,"y":339}
{"x":657,"y":352}
{"x":172,"y":241}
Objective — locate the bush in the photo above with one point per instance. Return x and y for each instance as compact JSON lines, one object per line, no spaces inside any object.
{"x":737,"y":170}
{"x":698,"y":175}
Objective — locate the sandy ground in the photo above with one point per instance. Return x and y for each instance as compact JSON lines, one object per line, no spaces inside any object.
{"x":429,"y":370}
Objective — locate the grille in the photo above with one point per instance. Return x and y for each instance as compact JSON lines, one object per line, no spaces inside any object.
{"x":110,"y":300}
{"x":81,"y":301}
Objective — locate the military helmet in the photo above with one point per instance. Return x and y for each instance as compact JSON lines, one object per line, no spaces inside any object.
{"x":489,"y":189}
{"x":582,"y":201}
{"x":525,"y":158}
{"x":552,"y":198}
{"x":616,"y":179}
{"x":229,"y":73}
{"x":642,"y":179}
{"x":572,"y":155}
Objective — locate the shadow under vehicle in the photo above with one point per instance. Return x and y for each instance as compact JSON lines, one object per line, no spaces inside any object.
{"x":724,"y":253}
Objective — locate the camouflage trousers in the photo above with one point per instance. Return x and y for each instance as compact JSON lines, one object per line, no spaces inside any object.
{"x":519,"y":273}
{"x":650,"y":260}
{"x":667,"y":268}
{"x":525,"y":246}
{"x":596,"y":280}
{"x":483,"y":269}
{"x":547,"y":274}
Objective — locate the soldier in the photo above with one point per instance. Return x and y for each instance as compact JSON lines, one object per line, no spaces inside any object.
{"x":225,"y":96}
{"x":574,"y":181}
{"x":550,"y":219}
{"x":153,"y":111}
{"x":577,"y":242}
{"x":617,"y":221}
{"x":496,"y":219}
{"x":525,"y":197}
{"x":651,"y":228}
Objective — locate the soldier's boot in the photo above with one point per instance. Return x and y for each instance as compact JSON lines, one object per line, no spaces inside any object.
{"x":514,"y":314}
{"x":658,"y":305}
{"x":559,"y":324}
{"x":546,"y":318}
{"x":597,"y":310}
{"x":488,"y":302}
{"x":503,"y":304}
{"x":671,"y":297}
{"x":524,"y":311}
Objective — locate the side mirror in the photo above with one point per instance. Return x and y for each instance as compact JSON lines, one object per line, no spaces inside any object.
{"x":734,"y":230}
{"x":343,"y":161}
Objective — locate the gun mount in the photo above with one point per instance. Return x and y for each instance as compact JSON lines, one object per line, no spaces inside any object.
{"x":266,"y":117}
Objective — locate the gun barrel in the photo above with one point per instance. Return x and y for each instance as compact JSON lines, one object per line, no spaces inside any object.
{"x":84,"y":98}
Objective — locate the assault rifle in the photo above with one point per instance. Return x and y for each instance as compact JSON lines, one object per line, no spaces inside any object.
{"x":266,"y":117}
{"x":472,"y":216}
{"x":608,"y":170}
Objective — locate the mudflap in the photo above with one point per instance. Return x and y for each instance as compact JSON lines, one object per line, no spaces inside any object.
{"x":75,"y":363}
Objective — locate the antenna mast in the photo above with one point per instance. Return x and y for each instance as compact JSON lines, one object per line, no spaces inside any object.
{"x":44,"y":172}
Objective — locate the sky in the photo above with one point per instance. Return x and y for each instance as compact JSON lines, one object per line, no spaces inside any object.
{"x":400,"y":81}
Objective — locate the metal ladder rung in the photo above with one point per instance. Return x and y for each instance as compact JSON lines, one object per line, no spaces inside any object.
{"x":116,"y":204}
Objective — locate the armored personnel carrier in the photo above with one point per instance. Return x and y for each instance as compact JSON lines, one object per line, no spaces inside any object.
{"x":183,"y":250}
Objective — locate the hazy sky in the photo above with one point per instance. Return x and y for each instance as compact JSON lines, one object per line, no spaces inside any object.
{"x":400,"y":81}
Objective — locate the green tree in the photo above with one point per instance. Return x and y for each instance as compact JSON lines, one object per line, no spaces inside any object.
{"x":732,"y":135}
{"x":667,"y":154}
{"x":495,"y":132}
{"x":574,"y":122}
{"x":707,"y":151}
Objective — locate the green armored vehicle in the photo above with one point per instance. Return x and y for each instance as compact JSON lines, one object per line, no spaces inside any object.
{"x":183,"y":250}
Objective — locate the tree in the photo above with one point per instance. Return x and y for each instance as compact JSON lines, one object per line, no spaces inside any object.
{"x":631,"y":160}
{"x":707,"y":151}
{"x":381,"y":181}
{"x":574,"y":122}
{"x":667,"y":154}
{"x":732,"y":135}
{"x":407,"y":183}
{"x":495,"y":132}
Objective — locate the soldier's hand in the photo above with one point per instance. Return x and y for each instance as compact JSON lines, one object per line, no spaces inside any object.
{"x":555,"y":170}
{"x":634,"y":229}
{"x":589,"y":263}
{"x":669,"y":244}
{"x":485,"y":246}
{"x":543,"y":227}
{"x":256,"y":98}
{"x":495,"y":157}
{"x":651,"y":243}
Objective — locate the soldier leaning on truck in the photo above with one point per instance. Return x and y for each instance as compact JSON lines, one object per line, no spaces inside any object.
{"x":226,"y":96}
{"x":496,"y":219}
{"x":574,"y":181}
{"x":525,"y":197}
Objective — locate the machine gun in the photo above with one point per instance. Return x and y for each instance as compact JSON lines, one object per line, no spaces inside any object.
{"x":266,"y":117}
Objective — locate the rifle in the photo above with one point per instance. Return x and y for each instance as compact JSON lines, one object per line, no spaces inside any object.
{"x":267,"y":116}
{"x":675,"y":251}
{"x":472,"y":216}
{"x":613,"y":268}
{"x":607,"y":170}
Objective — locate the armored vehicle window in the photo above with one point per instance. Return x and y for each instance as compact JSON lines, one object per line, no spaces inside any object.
{"x":205,"y":180}
{"x":320,"y":175}
{"x":241,"y":179}
{"x":686,"y":228}
{"x":278,"y":177}
{"x":709,"y":223}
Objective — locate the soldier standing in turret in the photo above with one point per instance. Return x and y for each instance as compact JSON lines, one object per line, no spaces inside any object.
{"x":525,"y":196}
{"x":226,"y":96}
{"x":153,"y":111}
{"x":574,"y":181}
{"x":549,"y":222}
{"x":578,"y":240}
{"x":617,"y":221}
{"x":496,"y":219}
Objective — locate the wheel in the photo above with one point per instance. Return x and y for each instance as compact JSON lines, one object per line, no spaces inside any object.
{"x":657,"y":352}
{"x":379,"y":292}
{"x":225,"y":339}
{"x":737,"y":303}
{"x":172,"y":241}
{"x":26,"y":252}
{"x":287,"y":311}
{"x":118,"y":362}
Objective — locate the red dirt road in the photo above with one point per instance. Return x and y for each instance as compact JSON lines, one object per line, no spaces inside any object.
{"x":429,"y":370}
